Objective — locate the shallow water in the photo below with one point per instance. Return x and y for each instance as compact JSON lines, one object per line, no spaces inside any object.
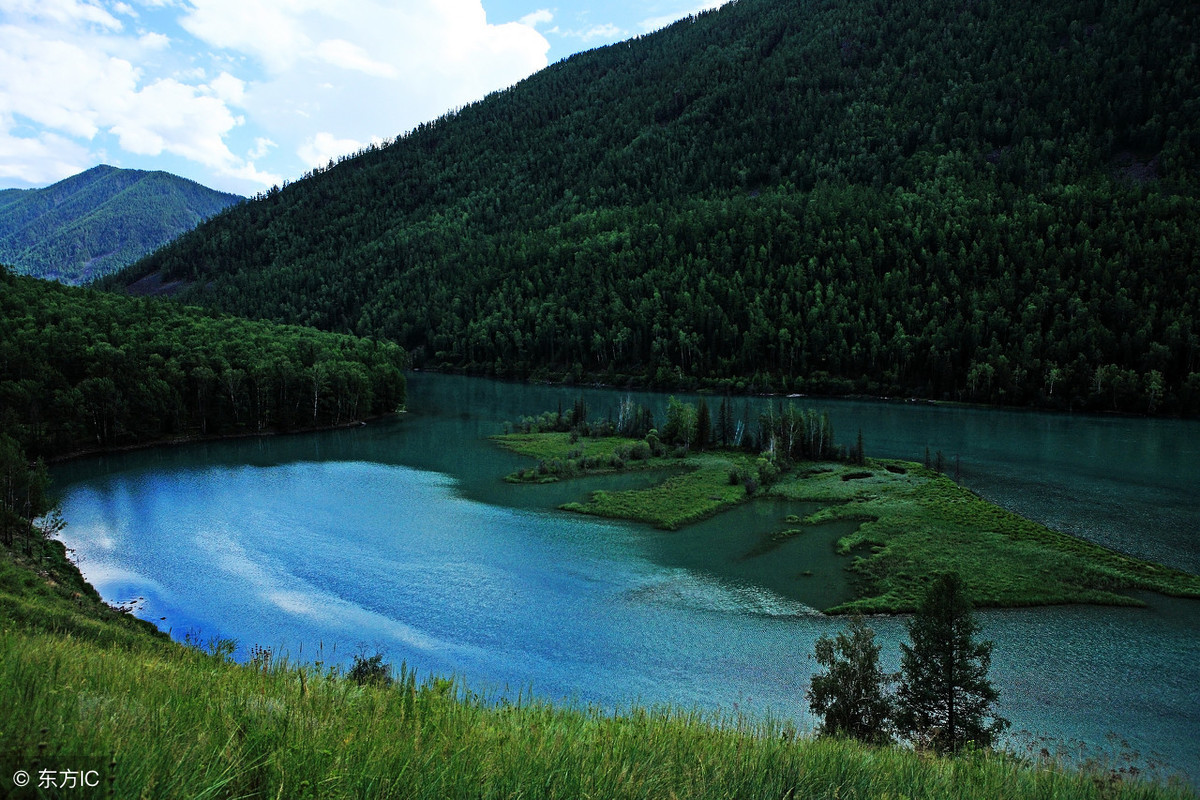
{"x":401,"y":537}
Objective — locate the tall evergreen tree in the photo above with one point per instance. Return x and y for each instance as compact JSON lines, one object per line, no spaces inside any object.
{"x":725,"y":424}
{"x":703,"y":425}
{"x":851,"y":695}
{"x":945,"y":698}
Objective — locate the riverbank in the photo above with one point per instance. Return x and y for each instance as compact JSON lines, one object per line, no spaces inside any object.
{"x":157,"y":718}
{"x":740,"y":388}
{"x":196,"y":438}
{"x":913,"y":523}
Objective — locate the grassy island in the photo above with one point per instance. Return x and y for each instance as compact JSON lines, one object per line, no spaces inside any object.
{"x":914,"y":521}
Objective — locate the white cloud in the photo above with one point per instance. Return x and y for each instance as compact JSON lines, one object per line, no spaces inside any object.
{"x":59,"y":84}
{"x":605,"y":31}
{"x":542,"y":15}
{"x":297,"y":81}
{"x":66,"y":86}
{"x":228,"y":88}
{"x":397,"y":64}
{"x":269,"y":30}
{"x":655,"y":23}
{"x":40,"y":160}
{"x":176,"y":118}
{"x":347,"y":55}
{"x":251,"y":174}
{"x":68,"y":12}
{"x":319,"y":150}
{"x":154,"y":41}
{"x":262,"y":146}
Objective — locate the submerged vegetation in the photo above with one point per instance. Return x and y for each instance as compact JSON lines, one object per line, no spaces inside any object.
{"x":914,"y":522}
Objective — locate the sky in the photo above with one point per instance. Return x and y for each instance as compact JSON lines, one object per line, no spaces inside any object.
{"x":241,"y":95}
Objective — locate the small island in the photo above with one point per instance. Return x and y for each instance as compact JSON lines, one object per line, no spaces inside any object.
{"x":914,"y":521}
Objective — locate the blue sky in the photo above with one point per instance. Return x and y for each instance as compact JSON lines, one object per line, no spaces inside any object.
{"x":243,"y":94}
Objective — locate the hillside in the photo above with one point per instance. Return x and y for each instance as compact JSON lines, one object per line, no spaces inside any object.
{"x":980,"y":201}
{"x":98,"y":221}
{"x":82,"y":370}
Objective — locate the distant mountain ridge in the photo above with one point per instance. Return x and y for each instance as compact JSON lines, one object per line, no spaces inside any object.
{"x":94,"y":223}
{"x":976,"y":200}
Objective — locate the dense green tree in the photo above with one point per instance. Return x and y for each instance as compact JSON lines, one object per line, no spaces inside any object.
{"x":81,"y":369}
{"x":944,"y":699}
{"x":704,"y":432}
{"x":98,"y":221}
{"x":23,"y":490}
{"x":851,"y":695}
{"x":988,"y":202}
{"x":725,"y":427}
{"x":680,"y":427}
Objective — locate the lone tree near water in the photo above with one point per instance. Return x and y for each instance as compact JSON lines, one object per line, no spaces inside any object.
{"x":945,"y":699}
{"x":851,"y":696}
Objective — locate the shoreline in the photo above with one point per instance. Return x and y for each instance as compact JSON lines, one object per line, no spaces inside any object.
{"x":197,"y":439}
{"x":861,"y":397}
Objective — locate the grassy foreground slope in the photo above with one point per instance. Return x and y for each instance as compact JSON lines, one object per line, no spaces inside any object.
{"x":157,"y":719}
{"x":915,"y":523}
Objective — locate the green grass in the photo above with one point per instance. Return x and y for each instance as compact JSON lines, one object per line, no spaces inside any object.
{"x":700,"y":492}
{"x":177,"y":723}
{"x":919,"y":523}
{"x":158,"y":719}
{"x":915,"y":523}
{"x":40,"y":590}
{"x":700,"y":488}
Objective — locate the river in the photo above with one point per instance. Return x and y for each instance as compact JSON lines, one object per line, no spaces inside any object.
{"x":400,"y":537}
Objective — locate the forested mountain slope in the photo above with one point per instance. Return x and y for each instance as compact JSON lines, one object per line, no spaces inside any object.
{"x":961,"y":199}
{"x":99,"y":221}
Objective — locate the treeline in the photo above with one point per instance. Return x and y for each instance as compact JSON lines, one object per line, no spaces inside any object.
{"x":783,"y":433}
{"x":82,"y":370}
{"x":991,"y":202}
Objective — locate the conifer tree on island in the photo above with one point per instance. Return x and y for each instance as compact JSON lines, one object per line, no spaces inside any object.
{"x":851,"y":697}
{"x":945,"y":698}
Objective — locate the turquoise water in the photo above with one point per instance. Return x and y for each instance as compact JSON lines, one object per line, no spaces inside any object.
{"x":401,"y":537}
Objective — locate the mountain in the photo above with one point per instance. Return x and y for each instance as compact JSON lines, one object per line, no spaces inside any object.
{"x":99,"y":221}
{"x":951,"y":199}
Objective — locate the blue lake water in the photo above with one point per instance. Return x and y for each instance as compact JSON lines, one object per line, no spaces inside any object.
{"x":400,"y":537}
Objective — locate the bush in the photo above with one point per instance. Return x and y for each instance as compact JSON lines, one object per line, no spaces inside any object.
{"x":371,"y":671}
{"x":768,"y":473}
